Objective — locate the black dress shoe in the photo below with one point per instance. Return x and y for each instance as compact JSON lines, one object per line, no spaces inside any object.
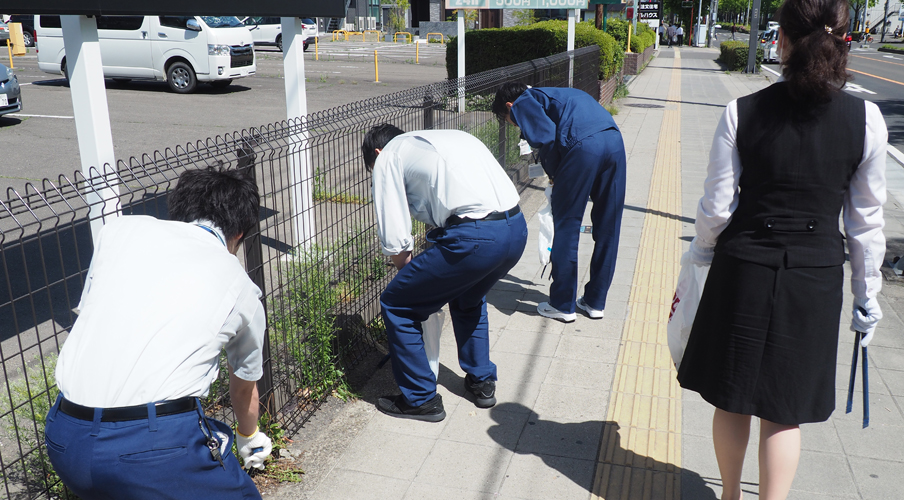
{"x":395,"y":406}
{"x":484,"y":392}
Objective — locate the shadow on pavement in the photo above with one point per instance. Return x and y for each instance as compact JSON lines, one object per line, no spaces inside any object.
{"x":567,"y":435}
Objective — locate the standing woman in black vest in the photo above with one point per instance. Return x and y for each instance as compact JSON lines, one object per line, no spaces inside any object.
{"x":785,"y":162}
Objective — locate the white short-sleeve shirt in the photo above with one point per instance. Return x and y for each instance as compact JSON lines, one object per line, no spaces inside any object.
{"x":430,"y":175}
{"x":161,"y":300}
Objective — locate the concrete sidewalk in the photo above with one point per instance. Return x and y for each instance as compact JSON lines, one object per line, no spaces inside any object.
{"x":591,"y":409}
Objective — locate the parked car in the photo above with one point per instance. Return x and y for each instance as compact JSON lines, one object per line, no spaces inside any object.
{"x":769,"y":44}
{"x":182,"y":50}
{"x":10,"y":94}
{"x":4,"y":32}
{"x":268,"y":30}
{"x":28,"y":27}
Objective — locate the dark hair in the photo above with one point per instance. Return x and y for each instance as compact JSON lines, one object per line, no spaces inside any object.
{"x":377,"y":138}
{"x":508,"y":92}
{"x":228,"y":198}
{"x":815,"y":66}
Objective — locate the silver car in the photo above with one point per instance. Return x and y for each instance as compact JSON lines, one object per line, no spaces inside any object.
{"x":769,"y":44}
{"x":10,"y":94}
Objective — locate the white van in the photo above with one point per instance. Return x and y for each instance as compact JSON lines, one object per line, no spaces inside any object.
{"x":182,"y":50}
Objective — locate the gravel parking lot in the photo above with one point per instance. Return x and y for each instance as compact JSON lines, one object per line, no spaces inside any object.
{"x":40,"y":142}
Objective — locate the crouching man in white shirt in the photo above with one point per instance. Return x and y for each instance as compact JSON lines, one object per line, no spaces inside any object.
{"x":447,"y":179}
{"x":161,"y":300}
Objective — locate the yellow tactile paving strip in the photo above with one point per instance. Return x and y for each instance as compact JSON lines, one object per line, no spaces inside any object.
{"x":640,"y":453}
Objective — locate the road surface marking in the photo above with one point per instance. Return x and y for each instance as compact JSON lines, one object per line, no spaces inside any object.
{"x":767,"y":68}
{"x":853,"y":87}
{"x":878,"y":60}
{"x":44,"y":116}
{"x":874,"y":76}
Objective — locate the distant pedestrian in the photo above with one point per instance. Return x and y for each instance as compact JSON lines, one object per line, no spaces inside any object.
{"x":672,"y":33}
{"x":733,"y":29}
{"x":786,"y":163}
{"x":582,"y":150}
{"x":680,"y":33}
{"x":450,"y":180}
{"x":661,"y":30}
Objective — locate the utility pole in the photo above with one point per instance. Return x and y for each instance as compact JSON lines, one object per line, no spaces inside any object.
{"x":753,"y":43}
{"x":699,"y":16}
{"x":884,"y":23}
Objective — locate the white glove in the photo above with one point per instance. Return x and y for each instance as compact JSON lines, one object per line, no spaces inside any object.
{"x":867,"y":314}
{"x":700,"y":255}
{"x":254,"y":449}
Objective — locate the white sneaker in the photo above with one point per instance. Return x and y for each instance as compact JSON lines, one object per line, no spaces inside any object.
{"x":548,"y":311}
{"x":593,"y":313}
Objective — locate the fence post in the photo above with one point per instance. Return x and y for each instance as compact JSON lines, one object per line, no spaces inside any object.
{"x":428,"y":111}
{"x":503,"y":150}
{"x":254,"y":263}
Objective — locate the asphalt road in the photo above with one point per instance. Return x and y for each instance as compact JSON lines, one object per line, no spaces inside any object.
{"x":40,"y":142}
{"x":878,"y":77}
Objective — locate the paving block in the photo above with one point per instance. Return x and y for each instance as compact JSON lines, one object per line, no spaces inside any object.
{"x":484,"y":426}
{"x":343,"y":484}
{"x":580,"y":373}
{"x":543,"y":477}
{"x":880,"y":479}
{"x":465,"y":466}
{"x":824,"y":473}
{"x":536,"y":343}
{"x":388,"y":454}
{"x":568,"y":402}
{"x":516,"y":368}
{"x":561,"y":437}
{"x":597,"y":349}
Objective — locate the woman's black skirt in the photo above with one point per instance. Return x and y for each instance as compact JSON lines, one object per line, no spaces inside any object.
{"x":764,"y":341}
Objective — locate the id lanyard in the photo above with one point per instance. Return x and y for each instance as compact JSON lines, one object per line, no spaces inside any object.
{"x":214,"y":233}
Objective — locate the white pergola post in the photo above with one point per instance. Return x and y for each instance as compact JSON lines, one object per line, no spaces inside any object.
{"x":300,"y":174}
{"x":92,"y":117}
{"x":461,"y":61}
{"x":572,"y":13}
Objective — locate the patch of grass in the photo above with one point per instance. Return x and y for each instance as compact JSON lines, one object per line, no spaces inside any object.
{"x":488,"y":133}
{"x":612,"y":109}
{"x":323,"y":78}
{"x":32,"y":395}
{"x":621,"y":91}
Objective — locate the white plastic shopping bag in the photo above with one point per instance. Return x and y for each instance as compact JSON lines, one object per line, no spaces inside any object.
{"x":546,"y":228}
{"x":684,"y":305}
{"x":433,"y":327}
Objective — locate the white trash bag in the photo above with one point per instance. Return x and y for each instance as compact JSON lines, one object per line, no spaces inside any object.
{"x":433,"y":327}
{"x":546,"y":228}
{"x":684,"y":305}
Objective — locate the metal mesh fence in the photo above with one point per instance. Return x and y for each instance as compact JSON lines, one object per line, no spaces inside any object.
{"x":315,"y":256}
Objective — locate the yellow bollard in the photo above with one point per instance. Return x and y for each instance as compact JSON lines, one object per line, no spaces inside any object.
{"x":316,"y":48}
{"x":417,"y":53}
{"x":9,"y":47}
{"x":376,"y":69}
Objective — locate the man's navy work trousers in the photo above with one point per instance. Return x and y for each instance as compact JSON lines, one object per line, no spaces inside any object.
{"x":155,"y":458}
{"x":463,"y":264}
{"x":595,"y":168}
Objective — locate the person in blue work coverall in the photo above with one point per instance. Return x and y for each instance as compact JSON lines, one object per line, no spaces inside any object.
{"x":583,"y":154}
{"x":450,"y":180}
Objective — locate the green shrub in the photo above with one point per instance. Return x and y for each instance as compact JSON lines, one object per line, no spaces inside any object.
{"x":493,"y":48}
{"x":734,"y":55}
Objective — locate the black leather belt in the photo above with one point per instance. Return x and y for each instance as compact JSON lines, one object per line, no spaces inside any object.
{"x":122,"y":414}
{"x":453,"y":220}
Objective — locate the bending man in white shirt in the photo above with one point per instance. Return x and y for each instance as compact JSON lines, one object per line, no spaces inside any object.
{"x":447,"y":179}
{"x":161,"y":300}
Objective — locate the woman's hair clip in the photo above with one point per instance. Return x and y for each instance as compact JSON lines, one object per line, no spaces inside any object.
{"x":828,"y":29}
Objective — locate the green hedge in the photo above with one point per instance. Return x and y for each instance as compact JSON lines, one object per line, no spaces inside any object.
{"x":734,"y":55}
{"x":892,"y":49}
{"x":493,"y":48}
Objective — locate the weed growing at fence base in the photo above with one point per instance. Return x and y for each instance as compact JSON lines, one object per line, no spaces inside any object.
{"x":303,"y":319}
{"x":25,"y":414}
